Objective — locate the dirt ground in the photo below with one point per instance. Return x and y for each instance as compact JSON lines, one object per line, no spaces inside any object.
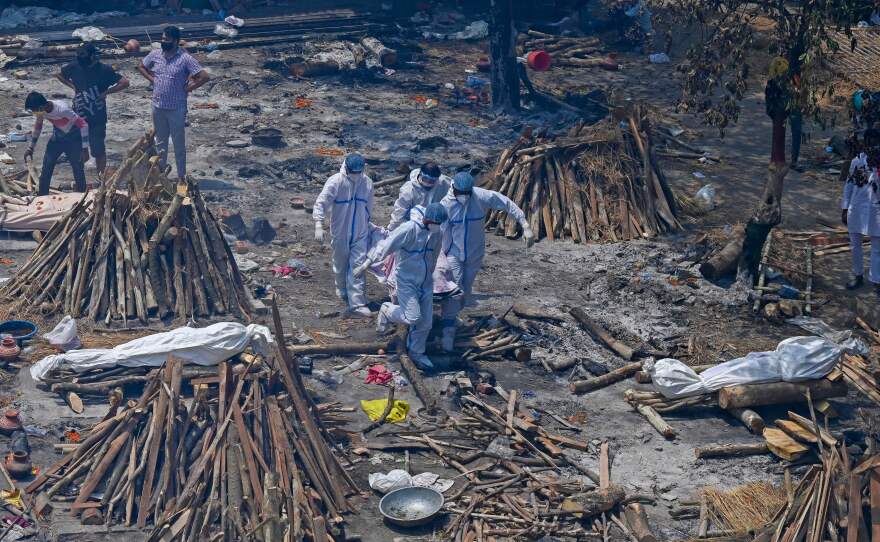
{"x":624,"y":285}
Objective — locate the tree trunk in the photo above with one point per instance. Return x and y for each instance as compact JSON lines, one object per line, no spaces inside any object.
{"x":502,"y":45}
{"x":769,"y":211}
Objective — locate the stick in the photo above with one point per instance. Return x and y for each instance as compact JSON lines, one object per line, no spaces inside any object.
{"x":381,"y":421}
{"x":600,"y":333}
{"x":731,"y":450}
{"x":590,"y":384}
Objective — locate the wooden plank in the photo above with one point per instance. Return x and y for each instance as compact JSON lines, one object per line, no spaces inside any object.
{"x":796,"y":432}
{"x":205,"y":381}
{"x":604,"y":466}
{"x":875,"y":504}
{"x":567,"y":441}
{"x":511,"y":409}
{"x":808,"y":425}
{"x":782,"y":445}
{"x":152,"y":458}
{"x":854,"y":515}
{"x":247,"y":449}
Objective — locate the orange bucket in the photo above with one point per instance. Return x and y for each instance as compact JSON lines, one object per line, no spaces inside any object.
{"x":539,"y":61}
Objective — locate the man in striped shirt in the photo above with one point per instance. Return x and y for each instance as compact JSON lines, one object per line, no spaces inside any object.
{"x":174,"y":73}
{"x":70,"y":136}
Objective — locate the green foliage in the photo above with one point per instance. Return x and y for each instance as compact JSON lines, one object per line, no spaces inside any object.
{"x":724,"y":44}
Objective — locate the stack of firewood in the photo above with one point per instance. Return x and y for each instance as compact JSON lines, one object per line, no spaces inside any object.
{"x":595,"y":183}
{"x":247,"y":459}
{"x":860,"y":372}
{"x":150,"y":250}
{"x":565,"y":50}
{"x":20,"y":183}
{"x":516,"y":489}
{"x":833,"y":501}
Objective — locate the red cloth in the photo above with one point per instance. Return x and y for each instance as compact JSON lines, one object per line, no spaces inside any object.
{"x":378,"y":374}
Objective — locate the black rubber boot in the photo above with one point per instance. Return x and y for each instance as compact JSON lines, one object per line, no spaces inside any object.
{"x":855,"y":283}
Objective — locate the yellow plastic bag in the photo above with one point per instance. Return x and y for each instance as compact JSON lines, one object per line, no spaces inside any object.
{"x":376,"y":407}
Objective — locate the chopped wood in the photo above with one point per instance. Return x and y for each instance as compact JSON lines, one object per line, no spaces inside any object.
{"x":93,"y":263}
{"x":782,"y":445}
{"x":604,"y":466}
{"x":731,"y":450}
{"x":177,"y":465}
{"x":602,"y":334}
{"x":656,"y":421}
{"x":637,"y":521}
{"x":590,"y":384}
{"x":595,"y":183}
{"x":749,"y":418}
{"x":749,"y":395}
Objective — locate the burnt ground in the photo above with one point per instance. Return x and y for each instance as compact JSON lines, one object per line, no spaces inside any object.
{"x":624,"y":285}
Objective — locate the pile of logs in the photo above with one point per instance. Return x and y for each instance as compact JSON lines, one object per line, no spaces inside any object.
{"x":862,"y":374}
{"x":248,"y":458}
{"x":832,"y":501}
{"x":594,"y":183}
{"x":150,"y":250}
{"x":566,"y":51}
{"x":510,"y":336}
{"x":21,"y":183}
{"x":509,"y":464}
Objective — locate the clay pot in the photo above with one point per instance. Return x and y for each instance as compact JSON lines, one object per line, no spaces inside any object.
{"x":10,"y":422}
{"x":132,"y":46}
{"x":19,"y":465}
{"x":9,"y":349}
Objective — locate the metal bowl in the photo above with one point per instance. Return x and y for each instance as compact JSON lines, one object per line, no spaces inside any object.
{"x":411,"y":506}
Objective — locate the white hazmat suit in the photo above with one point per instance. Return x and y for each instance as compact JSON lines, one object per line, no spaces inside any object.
{"x":349,"y":198}
{"x":464,"y":244}
{"x":861,"y":200}
{"x":415,"y":248}
{"x":413,"y":193}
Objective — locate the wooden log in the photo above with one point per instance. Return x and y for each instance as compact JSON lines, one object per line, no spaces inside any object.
{"x":590,"y":384}
{"x":724,"y":261}
{"x":591,"y":503}
{"x":775,"y":393}
{"x":339,"y":348}
{"x":387,"y":57}
{"x":415,"y":378}
{"x":637,"y":521}
{"x":656,"y":421}
{"x":749,"y":418}
{"x":533,"y":313}
{"x":390,"y":181}
{"x":602,"y":334}
{"x":563,"y":363}
{"x":731,"y":450}
{"x":272,"y":531}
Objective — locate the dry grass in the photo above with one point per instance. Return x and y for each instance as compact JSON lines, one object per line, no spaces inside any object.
{"x":746,"y":507}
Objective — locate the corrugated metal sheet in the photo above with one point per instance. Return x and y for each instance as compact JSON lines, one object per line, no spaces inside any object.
{"x":862,"y":65}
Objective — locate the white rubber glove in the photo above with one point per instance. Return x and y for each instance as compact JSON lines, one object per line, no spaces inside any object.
{"x":362,"y":268}
{"x":528,"y":236}
{"x":319,"y":232}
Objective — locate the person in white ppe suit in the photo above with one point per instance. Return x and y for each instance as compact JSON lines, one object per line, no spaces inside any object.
{"x":861,"y":210}
{"x":426,"y":185}
{"x":464,"y":242}
{"x":348,"y":195}
{"x":416,"y":246}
